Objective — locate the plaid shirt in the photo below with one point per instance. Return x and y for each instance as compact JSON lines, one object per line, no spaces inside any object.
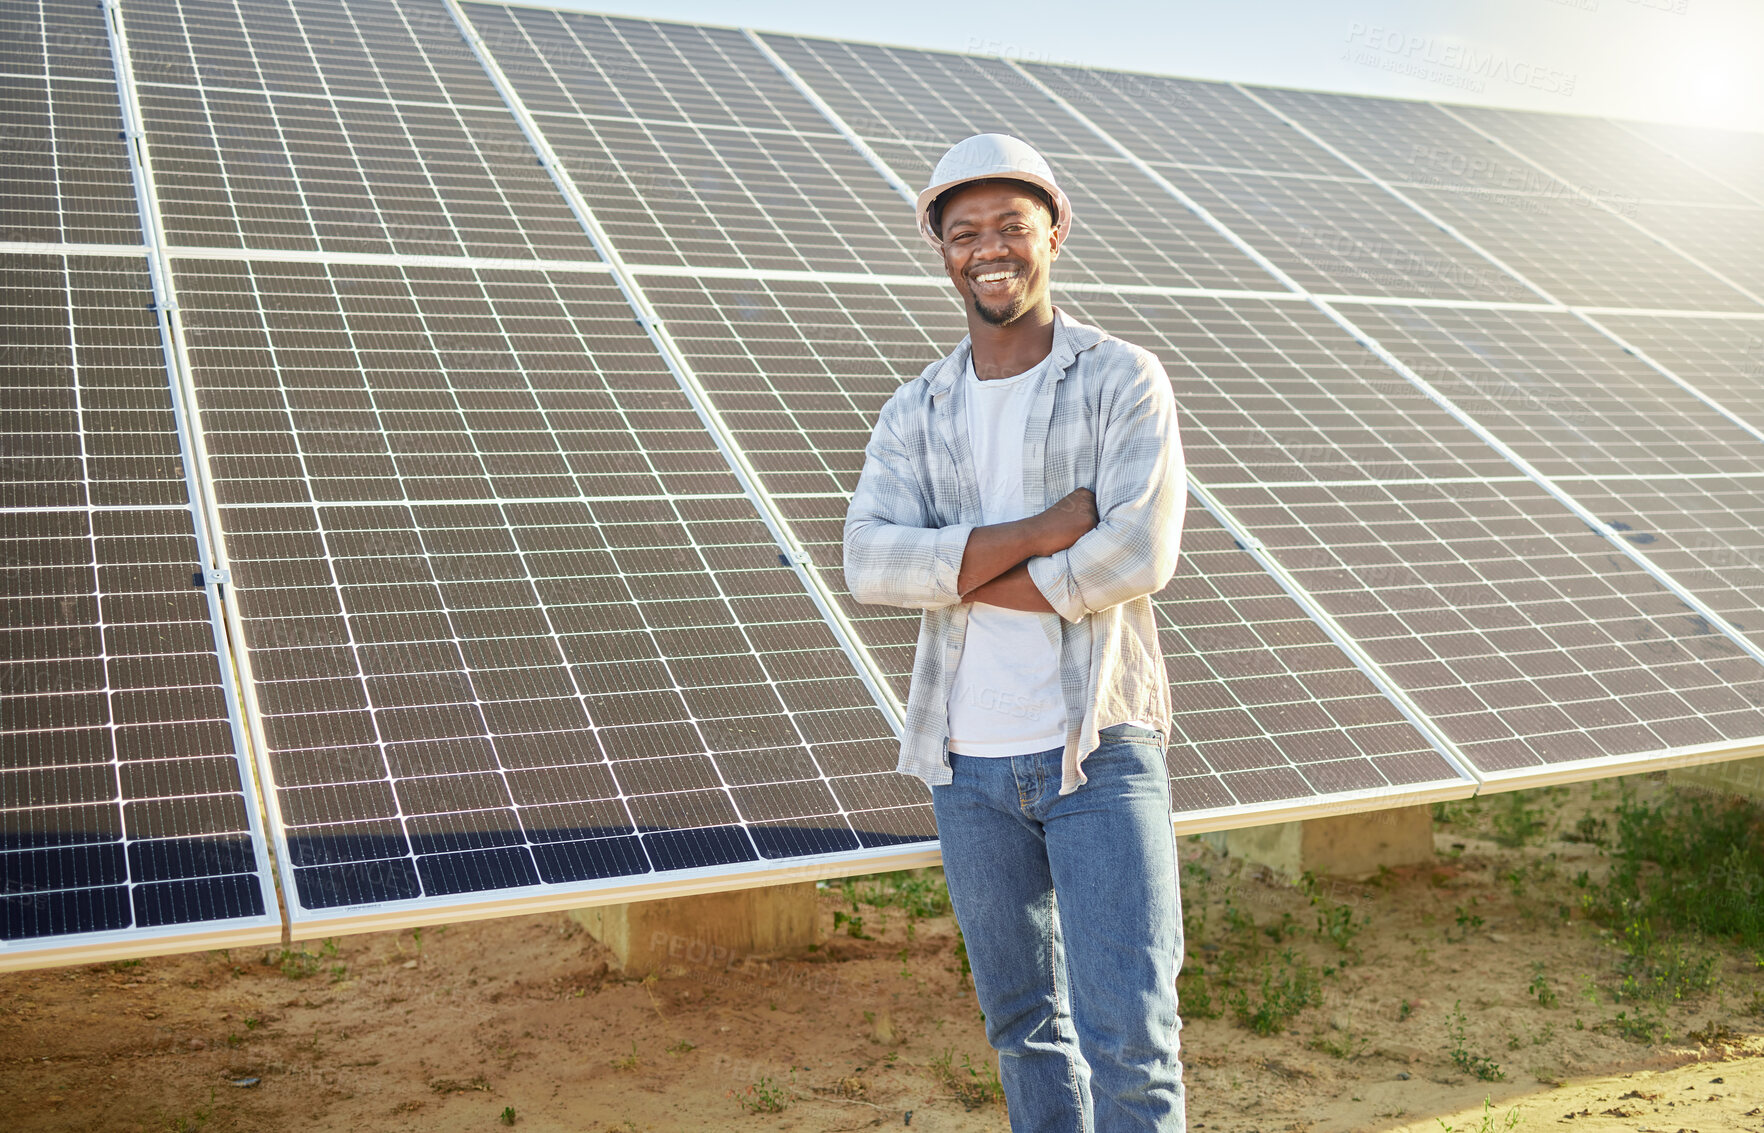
{"x":1103,"y":418}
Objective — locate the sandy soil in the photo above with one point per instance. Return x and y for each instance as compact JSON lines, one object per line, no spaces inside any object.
{"x":463,"y":1027}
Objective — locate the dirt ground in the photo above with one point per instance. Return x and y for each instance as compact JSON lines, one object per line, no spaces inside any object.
{"x":1439,"y":987}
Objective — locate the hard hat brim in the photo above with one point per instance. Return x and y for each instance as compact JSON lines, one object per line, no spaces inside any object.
{"x":1062,"y":206}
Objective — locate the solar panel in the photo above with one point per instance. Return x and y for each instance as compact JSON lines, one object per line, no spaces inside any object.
{"x":1268,"y":710}
{"x":652,"y":124}
{"x":533,"y":358}
{"x":1410,"y":143}
{"x":513,"y":624}
{"x":1570,"y":400}
{"x":1579,"y":252}
{"x":1733,"y":157}
{"x":62,"y":157}
{"x":1349,"y":237}
{"x":1406,"y":528}
{"x":1600,"y":158}
{"x":1723,"y":358}
{"x":1514,"y":627}
{"x":126,"y":822}
{"x":1725,"y":240}
{"x":1184,"y":123}
{"x":336,"y":126}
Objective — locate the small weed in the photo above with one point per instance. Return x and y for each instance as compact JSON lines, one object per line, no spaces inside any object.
{"x":1478,"y":1065}
{"x":1349,"y":1047}
{"x":1540,"y":988}
{"x":508,"y":1115}
{"x":1516,"y":821}
{"x":1405,"y":1010}
{"x":1488,"y":1124}
{"x":968,"y":1085}
{"x":767,"y":1096}
{"x":627,"y":1061}
{"x":303,"y":964}
{"x":1468,"y":921}
{"x":1194,"y":994}
{"x":1644,"y":1026}
{"x":853,"y":924}
{"x":1286,"y":989}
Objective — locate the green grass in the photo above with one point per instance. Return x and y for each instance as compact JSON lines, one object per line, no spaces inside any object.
{"x":1686,"y":873}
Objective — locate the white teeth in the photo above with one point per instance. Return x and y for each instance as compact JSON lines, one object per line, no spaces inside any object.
{"x":995,"y":277}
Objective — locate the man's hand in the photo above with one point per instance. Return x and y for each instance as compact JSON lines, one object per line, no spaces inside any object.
{"x":996,"y":548}
{"x":1069,"y":519}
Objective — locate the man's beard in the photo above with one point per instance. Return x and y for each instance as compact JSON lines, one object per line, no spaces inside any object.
{"x":1002,"y":316}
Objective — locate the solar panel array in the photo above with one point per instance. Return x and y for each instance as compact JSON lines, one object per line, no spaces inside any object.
{"x":433,"y":422}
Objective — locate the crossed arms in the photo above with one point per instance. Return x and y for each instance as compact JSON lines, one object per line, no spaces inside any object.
{"x":1085,"y":553}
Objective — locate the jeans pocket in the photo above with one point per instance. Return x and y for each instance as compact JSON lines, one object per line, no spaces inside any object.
{"x":1131,"y":734}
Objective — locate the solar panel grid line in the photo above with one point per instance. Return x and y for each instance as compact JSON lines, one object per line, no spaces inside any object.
{"x":43,"y":248}
{"x":832,"y":116}
{"x":1078,"y":286}
{"x":1453,"y":304}
{"x":1672,"y":313}
{"x":1757,"y":198}
{"x":1601,"y":203}
{"x":548,"y":897}
{"x":1580,"y":770}
{"x":388,"y":259}
{"x":645,"y":316}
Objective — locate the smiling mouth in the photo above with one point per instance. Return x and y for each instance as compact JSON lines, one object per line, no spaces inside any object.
{"x":997,"y":277}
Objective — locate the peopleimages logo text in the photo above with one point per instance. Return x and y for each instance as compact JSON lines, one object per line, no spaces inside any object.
{"x":1425,"y":56}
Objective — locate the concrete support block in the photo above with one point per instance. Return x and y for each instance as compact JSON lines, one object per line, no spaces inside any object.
{"x":1743,"y":778}
{"x":1349,"y":845}
{"x":710,"y":931}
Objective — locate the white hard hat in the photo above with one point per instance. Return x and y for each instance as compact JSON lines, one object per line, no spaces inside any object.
{"x":985,"y":157}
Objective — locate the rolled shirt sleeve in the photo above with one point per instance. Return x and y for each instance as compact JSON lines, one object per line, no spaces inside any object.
{"x":1141,"y":491}
{"x":892,"y":556}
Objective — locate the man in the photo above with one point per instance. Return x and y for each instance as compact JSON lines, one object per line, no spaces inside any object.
{"x":1026,"y":492}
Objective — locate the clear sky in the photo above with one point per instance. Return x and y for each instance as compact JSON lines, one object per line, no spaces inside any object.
{"x":1695,"y":61}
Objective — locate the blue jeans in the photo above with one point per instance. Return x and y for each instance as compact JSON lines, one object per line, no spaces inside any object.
{"x":1073,"y":923}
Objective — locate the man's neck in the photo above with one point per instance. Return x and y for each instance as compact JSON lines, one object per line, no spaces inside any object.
{"x":1005,"y":351}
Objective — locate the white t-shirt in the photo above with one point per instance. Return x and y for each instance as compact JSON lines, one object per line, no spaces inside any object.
{"x":1005,"y":699}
